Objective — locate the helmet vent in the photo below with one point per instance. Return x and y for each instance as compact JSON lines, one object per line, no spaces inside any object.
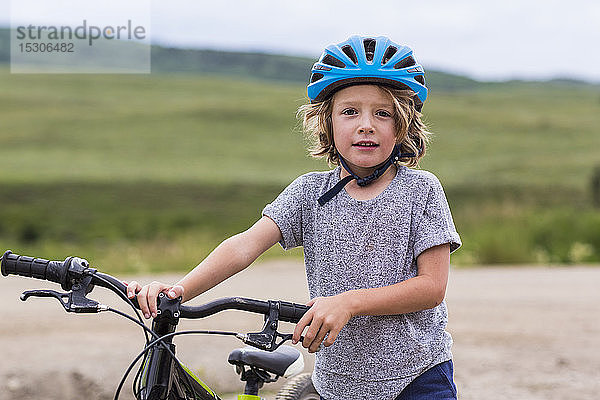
{"x":405,"y":63}
{"x":420,"y":79}
{"x":349,"y":51}
{"x":315,"y":77}
{"x":331,"y":60}
{"x":369,"y":45}
{"x":389,"y":53}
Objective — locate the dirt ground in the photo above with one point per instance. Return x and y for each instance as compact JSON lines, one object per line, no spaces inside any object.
{"x":520,"y":333}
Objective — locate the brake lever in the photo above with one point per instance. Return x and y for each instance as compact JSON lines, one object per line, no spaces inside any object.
{"x":72,"y":301}
{"x":267,"y":338}
{"x":271,"y":341}
{"x":284,"y":338}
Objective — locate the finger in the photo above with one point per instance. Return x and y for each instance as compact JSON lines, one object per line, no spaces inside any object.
{"x":298,"y":331}
{"x":175,"y":292}
{"x":303,"y":323}
{"x":312,"y":332}
{"x":310,"y":339}
{"x":153,"y":292}
{"x":333,"y":334}
{"x":316,"y":343}
{"x":132,"y":288}
{"x":300,"y":326}
{"x":142,"y":297}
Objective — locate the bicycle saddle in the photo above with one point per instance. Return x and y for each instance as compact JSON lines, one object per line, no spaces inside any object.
{"x":286,"y":361}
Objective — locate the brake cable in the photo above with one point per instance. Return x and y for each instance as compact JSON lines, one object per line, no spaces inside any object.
{"x":124,"y":297}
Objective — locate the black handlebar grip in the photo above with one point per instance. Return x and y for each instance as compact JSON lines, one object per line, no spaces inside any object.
{"x":39,"y":268}
{"x":291,"y":312}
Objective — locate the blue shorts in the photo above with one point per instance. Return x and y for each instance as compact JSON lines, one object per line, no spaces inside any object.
{"x":437,"y":383}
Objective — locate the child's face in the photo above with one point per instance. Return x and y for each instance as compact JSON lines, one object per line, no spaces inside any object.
{"x":364,"y":131}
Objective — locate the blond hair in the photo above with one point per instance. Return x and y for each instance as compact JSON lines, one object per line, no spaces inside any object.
{"x":411,"y":131}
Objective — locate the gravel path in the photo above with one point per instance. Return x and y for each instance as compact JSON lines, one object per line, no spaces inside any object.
{"x":520,"y":333}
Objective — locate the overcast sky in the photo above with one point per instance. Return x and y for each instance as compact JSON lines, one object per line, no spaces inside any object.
{"x":484,"y":39}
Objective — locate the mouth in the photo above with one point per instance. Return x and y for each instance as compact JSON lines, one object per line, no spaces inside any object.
{"x":366,"y":144}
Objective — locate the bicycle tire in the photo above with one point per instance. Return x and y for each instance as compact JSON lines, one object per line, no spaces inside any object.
{"x":298,"y":388}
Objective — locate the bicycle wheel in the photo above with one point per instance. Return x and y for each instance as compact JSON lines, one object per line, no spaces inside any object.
{"x":298,"y":388}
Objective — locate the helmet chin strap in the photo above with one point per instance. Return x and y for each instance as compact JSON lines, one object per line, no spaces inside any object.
{"x":395,"y":156}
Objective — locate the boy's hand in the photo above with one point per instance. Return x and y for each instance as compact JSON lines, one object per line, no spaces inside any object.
{"x":147,"y":295}
{"x":326,"y":318}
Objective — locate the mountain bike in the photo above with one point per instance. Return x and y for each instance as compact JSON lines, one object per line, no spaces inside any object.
{"x":161,"y":375}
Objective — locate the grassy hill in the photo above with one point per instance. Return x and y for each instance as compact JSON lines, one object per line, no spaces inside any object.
{"x":147,"y":172}
{"x":4,"y":45}
{"x":246,"y":65}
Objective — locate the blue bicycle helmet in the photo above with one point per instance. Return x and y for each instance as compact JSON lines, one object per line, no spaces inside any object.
{"x":366,"y":60}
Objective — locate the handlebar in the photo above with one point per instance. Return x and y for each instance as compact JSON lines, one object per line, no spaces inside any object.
{"x":72,"y":269}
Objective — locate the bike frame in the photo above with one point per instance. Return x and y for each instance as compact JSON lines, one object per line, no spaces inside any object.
{"x":165,"y":378}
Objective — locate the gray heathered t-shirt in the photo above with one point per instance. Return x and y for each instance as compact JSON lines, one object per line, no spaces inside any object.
{"x":352,"y":244}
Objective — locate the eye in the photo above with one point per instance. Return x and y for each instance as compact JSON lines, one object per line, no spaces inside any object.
{"x":349,"y":111}
{"x":383,"y":113}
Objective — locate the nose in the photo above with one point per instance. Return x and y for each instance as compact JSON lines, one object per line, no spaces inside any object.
{"x":366,"y":124}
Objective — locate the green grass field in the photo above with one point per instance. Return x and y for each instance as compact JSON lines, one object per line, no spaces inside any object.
{"x":148,"y":173}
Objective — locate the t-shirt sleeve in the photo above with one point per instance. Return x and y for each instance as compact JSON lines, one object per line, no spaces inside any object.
{"x":286,"y":212}
{"x":435,"y":226}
